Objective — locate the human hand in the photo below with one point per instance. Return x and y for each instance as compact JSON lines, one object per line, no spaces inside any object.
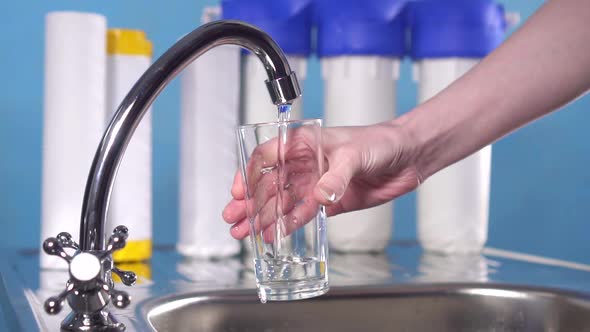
{"x":366,"y":166}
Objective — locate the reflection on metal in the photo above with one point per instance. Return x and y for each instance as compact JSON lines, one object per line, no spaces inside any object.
{"x":358,"y":268}
{"x":220,"y":272}
{"x":494,"y":292}
{"x":452,"y":268}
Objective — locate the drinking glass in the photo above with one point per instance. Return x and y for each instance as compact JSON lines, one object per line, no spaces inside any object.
{"x":281,"y":163}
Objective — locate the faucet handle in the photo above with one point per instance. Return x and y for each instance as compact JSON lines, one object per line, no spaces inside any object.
{"x":66,"y":240}
{"x":54,"y":304}
{"x":129,"y":278}
{"x":118,"y":240}
{"x":120,"y":299}
{"x":53,"y":246}
{"x":89,"y":288}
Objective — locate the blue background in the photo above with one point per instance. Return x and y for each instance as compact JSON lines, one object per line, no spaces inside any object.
{"x":539,"y":176}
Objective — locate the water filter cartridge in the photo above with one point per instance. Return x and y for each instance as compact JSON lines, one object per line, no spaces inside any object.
{"x":74,"y":112}
{"x":360,"y":45}
{"x":448,"y":39}
{"x":129,"y":55}
{"x":360,"y":90}
{"x":452,"y":204}
{"x":208,"y":154}
{"x":256,"y":104}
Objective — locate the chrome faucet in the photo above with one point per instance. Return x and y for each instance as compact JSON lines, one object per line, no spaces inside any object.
{"x":88,"y":293}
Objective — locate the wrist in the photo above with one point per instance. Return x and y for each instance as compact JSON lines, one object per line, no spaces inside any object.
{"x":427,"y":140}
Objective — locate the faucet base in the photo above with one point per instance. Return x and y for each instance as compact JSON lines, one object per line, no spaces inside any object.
{"x":102,"y":321}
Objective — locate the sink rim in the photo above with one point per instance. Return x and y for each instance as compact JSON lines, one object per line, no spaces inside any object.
{"x":166,"y":303}
{"x":376,"y":290}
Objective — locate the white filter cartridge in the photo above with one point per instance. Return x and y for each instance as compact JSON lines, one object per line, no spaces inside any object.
{"x":129,"y":55}
{"x":208,"y":153}
{"x":360,"y":90}
{"x":74,"y":113}
{"x":452,"y":204}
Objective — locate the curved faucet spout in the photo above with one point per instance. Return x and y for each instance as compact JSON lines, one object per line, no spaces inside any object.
{"x":282,"y":86}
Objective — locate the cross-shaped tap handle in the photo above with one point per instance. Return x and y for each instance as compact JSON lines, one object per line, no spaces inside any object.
{"x":87,"y":270}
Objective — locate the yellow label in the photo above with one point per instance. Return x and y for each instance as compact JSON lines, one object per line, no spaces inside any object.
{"x":128,"y":42}
{"x":134,"y":251}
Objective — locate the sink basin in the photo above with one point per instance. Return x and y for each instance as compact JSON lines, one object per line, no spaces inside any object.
{"x":414,"y":307}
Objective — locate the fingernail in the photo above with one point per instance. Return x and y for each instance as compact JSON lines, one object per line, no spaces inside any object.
{"x":328,"y":194}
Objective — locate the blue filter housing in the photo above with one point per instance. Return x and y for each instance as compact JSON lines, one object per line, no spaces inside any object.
{"x":454,"y":28}
{"x":360,"y":45}
{"x":360,"y":27}
{"x":288,"y":22}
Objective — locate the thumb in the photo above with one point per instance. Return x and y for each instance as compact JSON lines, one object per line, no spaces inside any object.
{"x":332,"y":185}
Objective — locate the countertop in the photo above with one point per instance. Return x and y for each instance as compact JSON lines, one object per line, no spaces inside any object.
{"x":24,"y":288}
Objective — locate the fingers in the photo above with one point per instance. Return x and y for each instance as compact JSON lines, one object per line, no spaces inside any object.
{"x":256,"y":198}
{"x":238,"y":190}
{"x":264,"y":216}
{"x":299,"y":147}
{"x":291,"y":223}
{"x":234,"y":211}
{"x":333,"y":184}
{"x":259,"y":166}
{"x":268,"y":236}
{"x":268,"y":215}
{"x":241,"y":229}
{"x":300,"y":215}
{"x":334,"y":209}
{"x":238,"y":208}
{"x":295,"y":211}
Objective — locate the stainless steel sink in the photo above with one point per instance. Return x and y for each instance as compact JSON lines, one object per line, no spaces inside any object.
{"x":411,"y":307}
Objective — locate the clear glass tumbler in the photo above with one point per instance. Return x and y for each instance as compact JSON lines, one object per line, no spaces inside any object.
{"x":280,"y":164}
